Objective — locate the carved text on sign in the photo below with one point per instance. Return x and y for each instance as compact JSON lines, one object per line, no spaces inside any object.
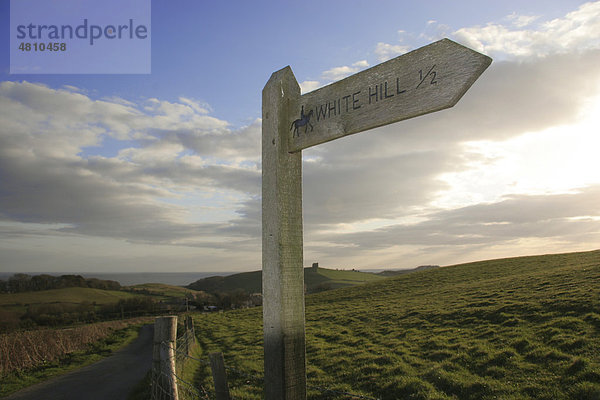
{"x":361,"y":98}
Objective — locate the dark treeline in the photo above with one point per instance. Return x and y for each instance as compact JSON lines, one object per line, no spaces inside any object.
{"x":27,"y":283}
{"x":238,"y":298}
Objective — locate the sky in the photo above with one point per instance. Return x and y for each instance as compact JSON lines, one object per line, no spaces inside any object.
{"x":161,"y":172}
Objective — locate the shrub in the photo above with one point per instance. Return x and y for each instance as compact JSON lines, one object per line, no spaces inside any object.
{"x":27,"y":349}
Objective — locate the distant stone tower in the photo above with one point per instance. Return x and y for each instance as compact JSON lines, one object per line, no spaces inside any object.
{"x":315,"y":266}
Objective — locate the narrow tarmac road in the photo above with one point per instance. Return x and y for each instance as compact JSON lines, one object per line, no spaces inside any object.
{"x":109,"y":379}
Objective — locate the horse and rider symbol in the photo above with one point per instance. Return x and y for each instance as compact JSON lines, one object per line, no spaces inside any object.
{"x":303,"y":121}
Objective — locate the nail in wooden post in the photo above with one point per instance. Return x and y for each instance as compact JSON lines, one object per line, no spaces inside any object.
{"x":217,"y":365}
{"x":282,"y":266}
{"x":164,"y":384}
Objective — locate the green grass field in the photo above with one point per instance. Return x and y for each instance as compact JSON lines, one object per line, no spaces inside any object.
{"x":14,"y":306}
{"x":516,"y":328}
{"x":315,"y":278}
{"x":164,"y":290}
{"x":73,"y":295}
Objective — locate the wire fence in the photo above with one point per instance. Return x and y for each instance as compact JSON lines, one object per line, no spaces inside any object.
{"x":178,"y":383}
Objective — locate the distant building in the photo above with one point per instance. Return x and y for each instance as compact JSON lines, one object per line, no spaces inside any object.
{"x":315,"y":266}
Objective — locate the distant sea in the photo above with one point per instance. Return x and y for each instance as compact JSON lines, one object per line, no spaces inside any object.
{"x":135,"y":278}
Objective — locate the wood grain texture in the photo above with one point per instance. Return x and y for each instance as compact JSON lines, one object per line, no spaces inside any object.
{"x":429,"y":79}
{"x":282,"y":244}
{"x":164,"y":382}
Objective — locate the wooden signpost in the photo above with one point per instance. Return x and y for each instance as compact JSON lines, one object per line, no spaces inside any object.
{"x":425,"y":80}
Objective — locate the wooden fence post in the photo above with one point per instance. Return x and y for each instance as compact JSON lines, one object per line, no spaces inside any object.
{"x":282,"y":263}
{"x":217,"y":365}
{"x":164,"y":384}
{"x":189,"y":334}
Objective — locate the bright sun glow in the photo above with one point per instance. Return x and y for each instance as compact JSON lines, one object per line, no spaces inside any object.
{"x":556,"y":160}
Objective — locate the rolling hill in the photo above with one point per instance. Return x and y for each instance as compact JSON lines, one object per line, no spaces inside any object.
{"x":516,"y":328}
{"x":164,"y":291}
{"x":315,"y":279}
{"x":55,"y":307}
{"x":58,"y":307}
{"x":72,"y":295}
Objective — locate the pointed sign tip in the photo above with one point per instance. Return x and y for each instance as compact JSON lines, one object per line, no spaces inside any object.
{"x":487,"y":60}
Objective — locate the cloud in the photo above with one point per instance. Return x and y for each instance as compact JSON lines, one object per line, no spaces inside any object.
{"x":386,"y":51}
{"x":337,"y":73}
{"x":564,"y":219}
{"x":520,"y":37}
{"x":578,"y":30}
{"x":515,"y":217}
{"x":144,"y":194}
{"x":196,"y":106}
{"x":342,"y":189}
{"x":309,"y":86}
{"x":521,"y":21}
{"x":234,"y":145}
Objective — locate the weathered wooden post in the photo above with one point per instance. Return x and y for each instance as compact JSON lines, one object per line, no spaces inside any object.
{"x":164,"y":384}
{"x":283,"y":276}
{"x":189,"y":334}
{"x":217,"y":365}
{"x":425,"y":80}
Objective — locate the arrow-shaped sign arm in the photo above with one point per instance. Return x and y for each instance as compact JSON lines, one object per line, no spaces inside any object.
{"x":425,"y":80}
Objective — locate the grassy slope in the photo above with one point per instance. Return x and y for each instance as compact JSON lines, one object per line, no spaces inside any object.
{"x":164,"y":290}
{"x":251,"y":282}
{"x":248,"y":281}
{"x":515,"y":328}
{"x":68,"y":295}
{"x":14,"y":305}
{"x":337,"y":278}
